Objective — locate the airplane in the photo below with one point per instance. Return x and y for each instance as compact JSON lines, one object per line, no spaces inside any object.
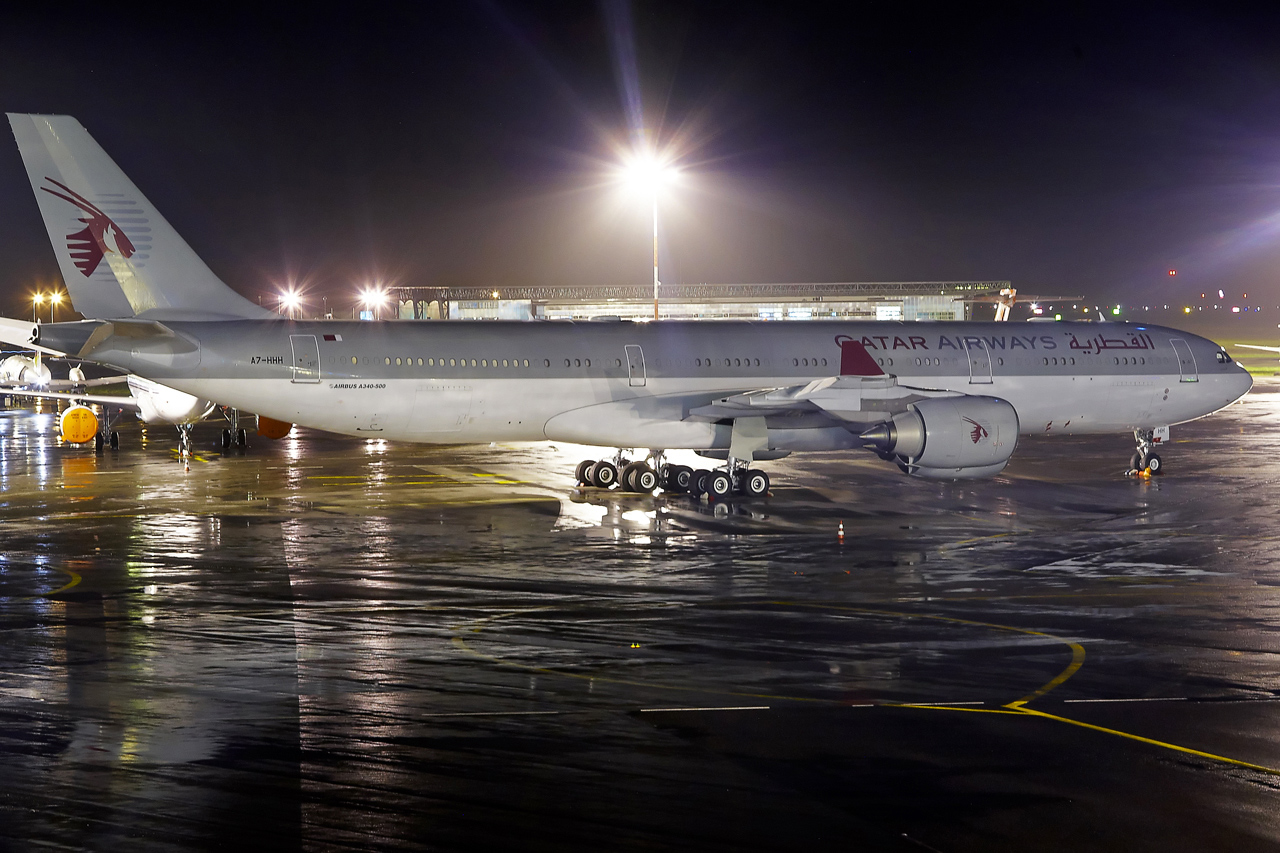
{"x":945,"y":400}
{"x":24,"y":376}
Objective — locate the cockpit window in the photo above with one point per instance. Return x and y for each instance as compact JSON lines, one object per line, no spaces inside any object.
{"x":1222,"y":357}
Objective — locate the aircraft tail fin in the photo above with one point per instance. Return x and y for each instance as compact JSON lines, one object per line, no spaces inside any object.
{"x":118,"y":255}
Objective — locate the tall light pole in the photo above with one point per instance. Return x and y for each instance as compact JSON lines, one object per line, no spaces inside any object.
{"x":648,"y":173}
{"x":36,"y":302}
{"x":55,"y":299}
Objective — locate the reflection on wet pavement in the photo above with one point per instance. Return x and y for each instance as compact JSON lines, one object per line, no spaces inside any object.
{"x":325,"y":643}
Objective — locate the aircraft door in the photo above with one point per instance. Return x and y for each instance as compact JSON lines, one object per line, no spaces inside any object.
{"x":979,"y":363}
{"x":306,"y":358}
{"x":635,"y":365}
{"x":1186,"y":361}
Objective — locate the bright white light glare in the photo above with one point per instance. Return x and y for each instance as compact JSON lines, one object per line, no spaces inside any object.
{"x":648,"y":173}
{"x":55,"y":298}
{"x":290,"y":299}
{"x":372,"y":297}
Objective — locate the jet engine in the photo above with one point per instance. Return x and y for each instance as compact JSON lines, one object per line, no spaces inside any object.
{"x":24,"y":370}
{"x":158,"y":403}
{"x":949,"y":438}
{"x":78,"y":424}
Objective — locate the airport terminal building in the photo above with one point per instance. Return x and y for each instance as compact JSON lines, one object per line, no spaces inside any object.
{"x":897,"y":300}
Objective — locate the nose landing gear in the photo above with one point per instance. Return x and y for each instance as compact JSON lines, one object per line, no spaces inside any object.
{"x":1145,"y":459}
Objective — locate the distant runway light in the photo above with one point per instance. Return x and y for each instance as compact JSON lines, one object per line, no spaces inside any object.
{"x":1173,"y":272}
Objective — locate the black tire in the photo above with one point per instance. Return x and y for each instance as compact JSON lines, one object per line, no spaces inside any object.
{"x":115,"y":440}
{"x":626,"y":477}
{"x":719,"y":484}
{"x":644,"y":479}
{"x":97,"y":443}
{"x":1136,"y":462}
{"x":755,"y":483}
{"x":242,"y":438}
{"x":1154,"y":463}
{"x":698,"y":487}
{"x":583,"y":472}
{"x":681,"y":478}
{"x":604,"y":474}
{"x":226,"y":439}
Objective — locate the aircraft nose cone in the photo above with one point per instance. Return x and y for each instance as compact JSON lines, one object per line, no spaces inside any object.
{"x":1241,"y":383}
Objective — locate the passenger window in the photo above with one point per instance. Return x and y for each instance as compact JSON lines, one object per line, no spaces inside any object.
{"x":577,"y":362}
{"x":397,"y":361}
{"x":504,"y":362}
{"x":587,"y":362}
{"x":452,"y":363}
{"x":546,"y":362}
{"x":353,"y":359}
{"x":824,"y":362}
{"x":387,"y":359}
{"x":473,"y":362}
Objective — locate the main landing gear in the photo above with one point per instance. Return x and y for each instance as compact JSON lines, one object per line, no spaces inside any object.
{"x":644,"y":476}
{"x":1145,"y":459}
{"x":235,"y":436}
{"x":107,"y":435}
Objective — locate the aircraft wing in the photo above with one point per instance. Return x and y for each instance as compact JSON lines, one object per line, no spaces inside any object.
{"x":88,"y":383}
{"x":844,"y":399}
{"x":121,"y":402}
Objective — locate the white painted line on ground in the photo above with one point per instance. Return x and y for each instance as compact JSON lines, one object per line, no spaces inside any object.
{"x":936,"y":704}
{"x":730,"y":708}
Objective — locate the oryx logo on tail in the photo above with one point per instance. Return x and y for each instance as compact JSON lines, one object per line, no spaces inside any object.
{"x":978,"y":432}
{"x":99,"y":237}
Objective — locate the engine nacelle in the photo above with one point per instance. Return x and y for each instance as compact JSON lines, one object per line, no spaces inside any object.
{"x":24,"y":370}
{"x":160,"y":404}
{"x":949,"y":438}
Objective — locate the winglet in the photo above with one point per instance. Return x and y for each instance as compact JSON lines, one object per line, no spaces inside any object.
{"x":856,"y":361}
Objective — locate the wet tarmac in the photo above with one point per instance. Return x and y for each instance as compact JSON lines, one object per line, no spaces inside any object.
{"x":324,"y":643}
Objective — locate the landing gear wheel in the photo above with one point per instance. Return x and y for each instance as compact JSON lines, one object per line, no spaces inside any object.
{"x":242,"y":438}
{"x":755,"y":483}
{"x":226,"y":439}
{"x":603,"y":474}
{"x":115,"y":440}
{"x":97,"y":443}
{"x":583,"y":472}
{"x":719,"y":484}
{"x":698,"y":485}
{"x":643,"y":479}
{"x":1135,"y":462}
{"x":626,"y":477}
{"x":679,"y":479}
{"x":1154,"y":464}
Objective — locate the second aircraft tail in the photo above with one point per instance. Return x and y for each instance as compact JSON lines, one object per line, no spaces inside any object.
{"x":118,"y":255}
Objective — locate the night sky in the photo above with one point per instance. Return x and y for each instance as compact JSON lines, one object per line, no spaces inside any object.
{"x":1069,"y":148}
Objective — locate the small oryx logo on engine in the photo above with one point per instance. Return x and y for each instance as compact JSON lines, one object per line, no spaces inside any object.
{"x":978,"y":432}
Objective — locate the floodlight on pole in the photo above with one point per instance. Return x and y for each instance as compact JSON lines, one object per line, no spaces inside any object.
{"x":291,"y":300}
{"x":647,"y":173}
{"x":36,"y":301}
{"x":55,"y":299}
